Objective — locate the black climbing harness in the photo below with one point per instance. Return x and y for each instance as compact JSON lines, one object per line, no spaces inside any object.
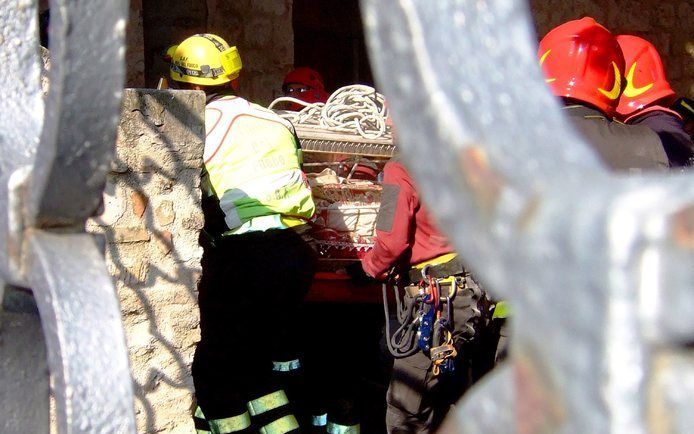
{"x":425,"y":314}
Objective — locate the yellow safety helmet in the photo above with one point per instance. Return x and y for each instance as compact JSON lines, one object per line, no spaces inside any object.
{"x":169,"y":53}
{"x":205,"y":59}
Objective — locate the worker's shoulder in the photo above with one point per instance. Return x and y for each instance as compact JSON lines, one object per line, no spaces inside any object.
{"x":237,"y":106}
{"x":395,"y":165}
{"x":624,"y":146}
{"x":395,"y":172}
{"x":659,"y":119}
{"x":636,"y":133}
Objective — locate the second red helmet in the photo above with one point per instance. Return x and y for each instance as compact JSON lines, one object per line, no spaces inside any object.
{"x":646,"y":81}
{"x":313,"y":89}
{"x":582,"y":60}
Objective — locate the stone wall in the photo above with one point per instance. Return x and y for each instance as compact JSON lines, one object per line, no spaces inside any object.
{"x":168,"y":22}
{"x":151,"y":222}
{"x":668,"y":24}
{"x":262,"y":31}
{"x":264,"y":34}
{"x":134,"y":42}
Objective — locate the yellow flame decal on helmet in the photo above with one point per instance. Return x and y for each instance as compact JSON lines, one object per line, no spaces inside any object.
{"x":542,"y":60}
{"x":684,"y":104}
{"x":631,"y":90}
{"x":617,"y":87}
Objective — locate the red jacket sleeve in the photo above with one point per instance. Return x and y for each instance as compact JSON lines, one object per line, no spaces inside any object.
{"x":394,"y":228}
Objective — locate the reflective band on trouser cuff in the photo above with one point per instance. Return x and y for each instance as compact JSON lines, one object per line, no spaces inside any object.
{"x":320,"y":420}
{"x":201,"y":425}
{"x":230,"y":424}
{"x":268,"y":402}
{"x":291,"y":365}
{"x":283,"y":425}
{"x":334,"y":428}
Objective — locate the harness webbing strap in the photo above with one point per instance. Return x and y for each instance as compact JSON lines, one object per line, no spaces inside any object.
{"x":438,"y":271}
{"x":216,"y":43}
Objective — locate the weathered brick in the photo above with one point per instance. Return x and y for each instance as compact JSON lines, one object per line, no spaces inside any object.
{"x":136,"y":274}
{"x":193,"y":223}
{"x":139,"y":203}
{"x":164,"y":242}
{"x":130,"y":234}
{"x":164,"y":213}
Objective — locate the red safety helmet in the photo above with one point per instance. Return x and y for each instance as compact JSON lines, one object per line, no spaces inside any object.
{"x":646,"y":82}
{"x":582,"y":60}
{"x":313,"y":89}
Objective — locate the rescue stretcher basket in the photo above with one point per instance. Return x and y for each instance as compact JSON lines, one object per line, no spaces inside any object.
{"x":344,"y":225}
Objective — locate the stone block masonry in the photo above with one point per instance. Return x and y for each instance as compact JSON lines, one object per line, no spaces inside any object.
{"x":262,"y":31}
{"x":150,"y":224}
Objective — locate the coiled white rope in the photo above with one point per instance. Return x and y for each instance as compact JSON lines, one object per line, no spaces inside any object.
{"x":356,"y":109}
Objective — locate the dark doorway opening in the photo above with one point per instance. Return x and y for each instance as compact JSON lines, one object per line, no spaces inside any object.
{"x":164,"y":23}
{"x":329,"y":37}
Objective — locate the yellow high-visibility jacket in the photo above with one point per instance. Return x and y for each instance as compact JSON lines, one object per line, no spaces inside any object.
{"x":252,"y":165}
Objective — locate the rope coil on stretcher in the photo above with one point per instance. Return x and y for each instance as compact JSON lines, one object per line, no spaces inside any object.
{"x":356,"y":109}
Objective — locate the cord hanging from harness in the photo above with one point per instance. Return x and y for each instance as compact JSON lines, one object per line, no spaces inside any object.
{"x":402,"y":342}
{"x":426,"y":321}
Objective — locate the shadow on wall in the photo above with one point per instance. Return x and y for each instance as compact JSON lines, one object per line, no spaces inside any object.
{"x":151,"y":223}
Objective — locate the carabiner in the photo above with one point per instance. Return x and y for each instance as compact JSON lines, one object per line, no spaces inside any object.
{"x":425,"y":272}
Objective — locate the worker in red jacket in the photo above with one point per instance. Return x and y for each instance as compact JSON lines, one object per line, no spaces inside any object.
{"x":439,"y":354}
{"x":405,"y":229}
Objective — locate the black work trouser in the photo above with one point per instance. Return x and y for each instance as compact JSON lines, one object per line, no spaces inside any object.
{"x":418,"y":400}
{"x":250,"y":296}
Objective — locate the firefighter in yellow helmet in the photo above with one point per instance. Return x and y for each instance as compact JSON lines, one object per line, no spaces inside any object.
{"x":256,"y":268}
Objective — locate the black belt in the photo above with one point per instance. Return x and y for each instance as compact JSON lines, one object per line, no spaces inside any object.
{"x":439,"y":271}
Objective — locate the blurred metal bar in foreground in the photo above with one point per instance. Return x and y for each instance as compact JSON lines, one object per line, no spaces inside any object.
{"x":598,"y":267}
{"x":56,"y":152}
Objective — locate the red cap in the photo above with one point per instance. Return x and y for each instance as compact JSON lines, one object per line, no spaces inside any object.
{"x":646,"y":82}
{"x":582,"y":60}
{"x":309,"y":78}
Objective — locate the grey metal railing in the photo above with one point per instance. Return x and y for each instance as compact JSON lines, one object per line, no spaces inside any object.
{"x":598,"y":267}
{"x":54,"y":156}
